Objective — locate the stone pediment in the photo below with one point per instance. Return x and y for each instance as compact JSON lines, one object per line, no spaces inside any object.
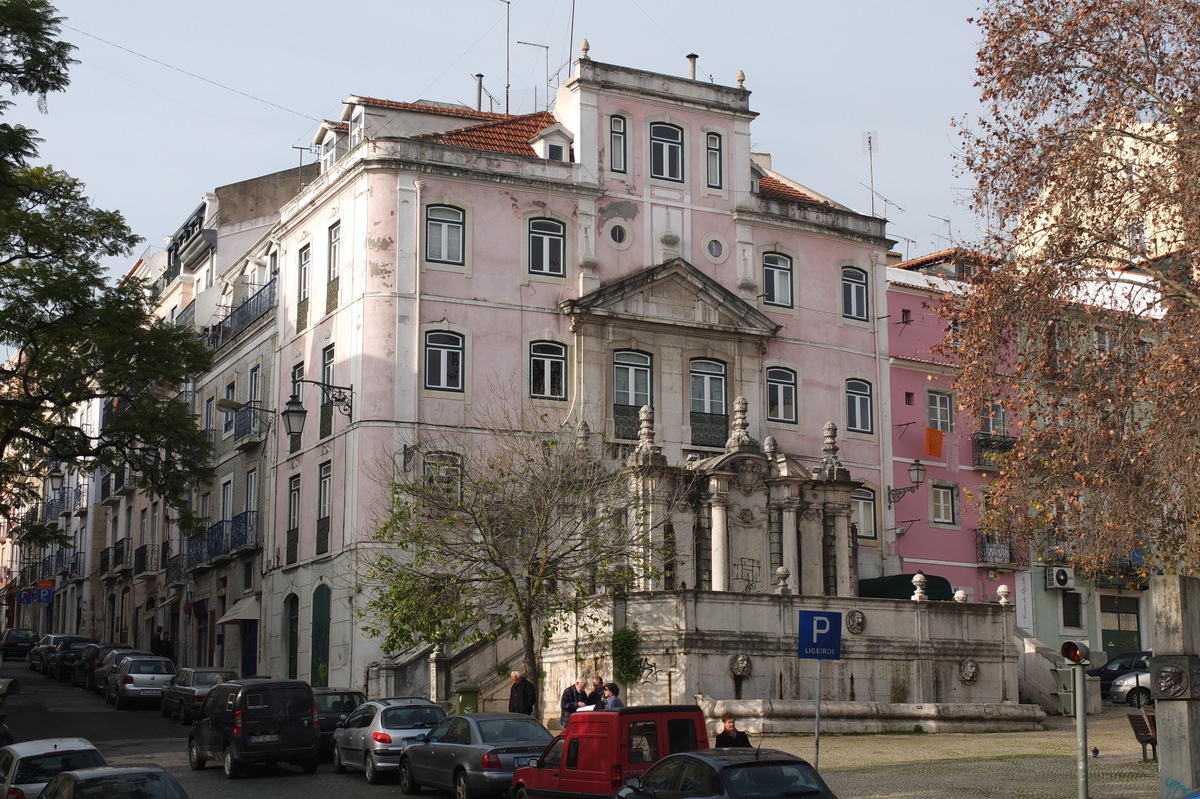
{"x":673,"y":293}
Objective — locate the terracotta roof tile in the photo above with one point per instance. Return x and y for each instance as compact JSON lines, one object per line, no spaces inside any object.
{"x":430,"y":108}
{"x":510,"y":135}
{"x":770,"y":188}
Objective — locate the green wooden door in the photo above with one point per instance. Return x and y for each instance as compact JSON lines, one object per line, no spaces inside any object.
{"x":319,"y":675}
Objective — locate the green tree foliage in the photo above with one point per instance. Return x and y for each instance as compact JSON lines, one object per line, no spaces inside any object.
{"x":508,"y":533}
{"x":69,"y":336}
{"x":1084,"y":317}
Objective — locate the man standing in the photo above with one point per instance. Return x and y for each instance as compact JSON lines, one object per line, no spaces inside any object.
{"x":573,"y":698}
{"x":522,"y":696}
{"x":156,"y":642}
{"x":731,"y":735}
{"x":596,"y":697}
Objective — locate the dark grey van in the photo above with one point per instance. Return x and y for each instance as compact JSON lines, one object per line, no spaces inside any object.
{"x":256,"y":721}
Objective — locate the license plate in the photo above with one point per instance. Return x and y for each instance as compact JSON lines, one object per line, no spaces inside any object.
{"x":522,"y":761}
{"x":151,"y":692}
{"x":264,"y":739}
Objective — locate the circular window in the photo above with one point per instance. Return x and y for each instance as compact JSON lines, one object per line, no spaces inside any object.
{"x":618,"y":236}
{"x":715,"y":249}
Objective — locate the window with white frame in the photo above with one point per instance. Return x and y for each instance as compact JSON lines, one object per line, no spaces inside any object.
{"x":943,"y":501}
{"x":444,"y":227}
{"x":251,"y":493}
{"x":992,"y":419}
{"x":305,"y":261}
{"x":631,"y":378}
{"x":854,"y":294}
{"x":358,"y":127}
{"x":324,"y":490}
{"x":547,"y":240}
{"x":253,"y":383}
{"x":293,"y":517}
{"x":335,"y":251}
{"x":443,"y":361}
{"x":859,"y":410}
{"x":666,"y":151}
{"x":864,"y":517}
{"x":616,"y":143}
{"x":209,"y":408}
{"x":547,"y":370}
{"x":230,"y":393}
{"x":328,"y":152}
{"x":781,"y":395}
{"x":777,"y":279}
{"x":714,"y":160}
{"x":328,"y":362}
{"x":708,"y":386}
{"x":444,"y":470}
{"x":939,"y":410}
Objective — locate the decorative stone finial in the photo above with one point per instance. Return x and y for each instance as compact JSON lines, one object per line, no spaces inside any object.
{"x":831,"y":468}
{"x":645,"y":454}
{"x":1002,"y":593}
{"x":738,"y":437}
{"x":960,"y":595}
{"x":919,"y":581}
{"x":770,"y":447}
{"x":781,"y":580}
{"x":741,"y":79}
{"x":583,"y":50}
{"x":582,"y":434}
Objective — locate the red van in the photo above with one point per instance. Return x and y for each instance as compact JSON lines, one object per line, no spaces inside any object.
{"x":600,"y":749}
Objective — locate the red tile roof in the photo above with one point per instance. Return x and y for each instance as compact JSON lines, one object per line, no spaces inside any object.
{"x":509,"y":135}
{"x":430,"y":108}
{"x":770,"y":188}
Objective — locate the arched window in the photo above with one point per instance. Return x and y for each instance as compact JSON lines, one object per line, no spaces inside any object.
{"x":547,"y":241}
{"x":666,"y":151}
{"x":547,"y":370}
{"x":854,"y":294}
{"x":444,"y":234}
{"x":291,"y":634}
{"x":318,"y":674}
{"x":443,"y":361}
{"x":777,"y":279}
{"x":859,"y":413}
{"x":781,"y":395}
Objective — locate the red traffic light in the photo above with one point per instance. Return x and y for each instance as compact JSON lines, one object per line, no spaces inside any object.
{"x":1075,"y":652}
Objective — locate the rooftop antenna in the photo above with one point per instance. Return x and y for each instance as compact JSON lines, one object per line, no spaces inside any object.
{"x":886,"y":201}
{"x":870,"y":143}
{"x":507,"y":50}
{"x":547,"y":54}
{"x":949,"y":233}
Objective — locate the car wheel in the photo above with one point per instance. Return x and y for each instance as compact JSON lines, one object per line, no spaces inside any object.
{"x":408,"y":785}
{"x":1140,"y":697}
{"x":462,"y":786}
{"x":107,"y":696}
{"x":164,"y":709}
{"x":184,"y":716}
{"x":369,"y":770}
{"x":194,"y":759}
{"x":120,"y":701}
{"x":309,"y":765}
{"x":522,"y":794}
{"x":338,"y":766}
{"x":233,"y":768}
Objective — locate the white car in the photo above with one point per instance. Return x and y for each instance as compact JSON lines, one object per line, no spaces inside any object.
{"x":26,"y":767}
{"x":1132,"y":688}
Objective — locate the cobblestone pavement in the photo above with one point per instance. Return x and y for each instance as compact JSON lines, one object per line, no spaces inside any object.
{"x":1026,"y":765}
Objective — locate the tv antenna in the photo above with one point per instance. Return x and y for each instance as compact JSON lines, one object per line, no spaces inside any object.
{"x":886,"y":201}
{"x":870,"y":144}
{"x":546,"y":48}
{"x":507,"y":50}
{"x":949,"y":232}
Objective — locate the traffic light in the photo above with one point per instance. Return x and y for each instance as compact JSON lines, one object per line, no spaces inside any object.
{"x":1075,"y":652}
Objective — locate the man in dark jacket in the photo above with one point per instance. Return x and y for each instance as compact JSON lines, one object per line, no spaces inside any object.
{"x":522,"y":697}
{"x":730,"y":735}
{"x":573,"y":698}
{"x":596,"y":697}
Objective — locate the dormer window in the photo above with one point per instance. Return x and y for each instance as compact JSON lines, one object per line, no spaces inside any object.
{"x":553,"y":143}
{"x":555,"y":152}
{"x":358,"y":127}
{"x":328,"y":153}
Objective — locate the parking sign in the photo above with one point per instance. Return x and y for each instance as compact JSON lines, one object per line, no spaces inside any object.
{"x":820,"y":635}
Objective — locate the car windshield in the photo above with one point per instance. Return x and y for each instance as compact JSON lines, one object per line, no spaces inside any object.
{"x":21,"y":635}
{"x":150,"y":667}
{"x":411,"y":718}
{"x":209,"y":678}
{"x":500,"y":731}
{"x":339,"y":703}
{"x":772,"y":779}
{"x":42,"y":768}
{"x":131,"y":786}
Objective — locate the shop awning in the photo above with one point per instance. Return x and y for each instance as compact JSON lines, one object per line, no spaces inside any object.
{"x":242,"y":610}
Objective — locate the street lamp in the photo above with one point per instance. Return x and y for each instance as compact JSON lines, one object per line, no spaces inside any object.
{"x":56,"y":479}
{"x":916,"y":474}
{"x":294,"y":413}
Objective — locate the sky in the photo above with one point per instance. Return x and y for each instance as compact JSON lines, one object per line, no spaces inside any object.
{"x":171,"y":100}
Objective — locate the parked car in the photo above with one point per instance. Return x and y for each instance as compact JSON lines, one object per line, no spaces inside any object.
{"x":62,"y":661}
{"x":1118,"y":665}
{"x":109,"y":665}
{"x":1132,"y":688}
{"x":472,"y":754}
{"x":115,"y":782}
{"x":732,"y":773}
{"x":16,"y":642}
{"x":374,"y":735}
{"x":332,"y":705}
{"x":256,"y":721}
{"x":27,"y":766}
{"x":184,"y":692}
{"x":39,"y":656}
{"x":604,"y":748}
{"x":83,"y":673}
{"x":139,"y":679}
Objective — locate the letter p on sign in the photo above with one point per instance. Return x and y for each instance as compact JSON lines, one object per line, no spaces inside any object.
{"x":820,"y":635}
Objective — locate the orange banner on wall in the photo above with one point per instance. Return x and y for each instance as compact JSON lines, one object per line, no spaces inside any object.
{"x":933,"y":442}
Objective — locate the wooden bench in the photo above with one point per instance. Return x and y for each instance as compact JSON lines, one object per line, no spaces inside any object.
{"x":1144,"y":730}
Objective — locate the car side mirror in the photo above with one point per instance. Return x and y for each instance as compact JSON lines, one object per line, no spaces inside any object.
{"x":341,"y":722}
{"x":422,"y":738}
{"x":535,"y":762}
{"x":634,"y":783}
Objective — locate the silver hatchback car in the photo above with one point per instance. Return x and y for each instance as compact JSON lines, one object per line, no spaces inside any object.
{"x":140,"y":679}
{"x":371,"y":738}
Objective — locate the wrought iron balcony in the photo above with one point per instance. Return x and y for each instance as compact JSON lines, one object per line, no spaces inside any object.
{"x":122,"y":554}
{"x":709,"y":429}
{"x":75,"y":567}
{"x":106,"y":560}
{"x":175,"y":569}
{"x":218,"y":540}
{"x":994,"y":550}
{"x":626,"y":422}
{"x":145,"y":559}
{"x":243,"y":532}
{"x":197,"y":553}
{"x":989,"y":450}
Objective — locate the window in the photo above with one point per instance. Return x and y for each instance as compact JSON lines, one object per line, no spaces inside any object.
{"x":858,"y":406}
{"x":444,"y":234}
{"x":992,"y":419}
{"x":631,"y":379}
{"x":328,"y":360}
{"x":324,"y":489}
{"x":546,"y":244}
{"x":555,"y":152}
{"x":443,"y":361}
{"x":909,"y":397}
{"x":854,"y":294}
{"x":297,"y":386}
{"x":209,"y":407}
{"x":328,"y":153}
{"x":616,"y":144}
{"x":708,"y":387}
{"x":335,"y":250}
{"x":444,"y":470}
{"x":294,"y":502}
{"x":864,"y":512}
{"x":302,"y":276}
{"x":939,"y":411}
{"x":777,"y":279}
{"x":253,"y":384}
{"x":781,"y":395}
{"x":714,"y":160}
{"x":252,"y":489}
{"x":230,"y":390}
{"x":666,"y":151}
{"x":944,"y":499}
{"x":358,"y":129}
{"x":547,"y":370}
{"x":1072,"y":609}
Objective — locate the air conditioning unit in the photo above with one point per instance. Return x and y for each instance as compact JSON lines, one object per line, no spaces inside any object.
{"x":1060,"y":577}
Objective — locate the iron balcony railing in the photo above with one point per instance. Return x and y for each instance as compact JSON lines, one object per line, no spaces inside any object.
{"x":625,"y":421}
{"x":992,"y":550}
{"x":175,"y":569}
{"x":989,"y":450}
{"x":106,"y":560}
{"x":218,"y":540}
{"x":122,"y":554}
{"x":709,"y":429}
{"x":197,"y":553}
{"x":241,"y":317}
{"x":145,"y":558}
{"x":244,"y":531}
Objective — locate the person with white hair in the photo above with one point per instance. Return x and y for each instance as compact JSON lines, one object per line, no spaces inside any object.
{"x":522,"y":697}
{"x":575,"y":697}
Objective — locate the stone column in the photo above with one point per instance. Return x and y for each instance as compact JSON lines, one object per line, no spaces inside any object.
{"x":811,"y":556}
{"x":1175,"y":630}
{"x":791,"y":548}
{"x":720,"y":542}
{"x":838,"y":514}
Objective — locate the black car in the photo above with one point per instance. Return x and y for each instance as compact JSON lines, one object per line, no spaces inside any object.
{"x":729,"y":773}
{"x":83,"y":673}
{"x":1118,"y":665}
{"x":41,"y":656}
{"x":16,"y":643}
{"x":256,"y":721}
{"x":332,"y":705}
{"x":66,"y":655}
{"x":144,"y":782}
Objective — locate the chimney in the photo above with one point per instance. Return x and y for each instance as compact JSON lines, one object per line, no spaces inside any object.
{"x":479,"y":91}
{"x":691,"y":57}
